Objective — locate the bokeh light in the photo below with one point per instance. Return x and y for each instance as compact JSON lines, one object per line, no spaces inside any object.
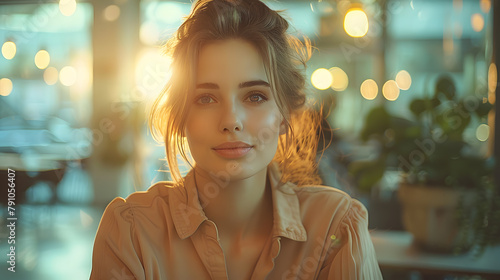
{"x":42,"y":59}
{"x":50,"y":76}
{"x":485,"y":5}
{"x":492,"y":82}
{"x":67,"y":7}
{"x":321,"y":78}
{"x":403,"y":79}
{"x":5,"y":86}
{"x":111,"y":13}
{"x":369,"y":89}
{"x":356,"y":23}
{"x":390,"y":90}
{"x":483,"y":132}
{"x":67,"y":76}
{"x":477,"y":22}
{"x":9,"y":50}
{"x":340,"y":81}
{"x":492,"y":77}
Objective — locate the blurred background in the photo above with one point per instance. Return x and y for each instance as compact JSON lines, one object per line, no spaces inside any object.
{"x":408,"y":87}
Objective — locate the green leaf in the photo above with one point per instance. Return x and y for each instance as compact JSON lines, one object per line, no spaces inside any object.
{"x":453,"y":121}
{"x":445,"y":87}
{"x":483,"y":109}
{"x":418,"y":106}
{"x":377,"y":122}
{"x":367,"y":173}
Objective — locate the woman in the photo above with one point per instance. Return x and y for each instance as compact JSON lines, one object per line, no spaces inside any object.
{"x":250,"y":207}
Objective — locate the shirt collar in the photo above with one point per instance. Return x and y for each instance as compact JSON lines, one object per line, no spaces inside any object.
{"x":188,"y":214}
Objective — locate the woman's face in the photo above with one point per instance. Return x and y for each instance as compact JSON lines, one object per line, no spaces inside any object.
{"x":233,"y":123}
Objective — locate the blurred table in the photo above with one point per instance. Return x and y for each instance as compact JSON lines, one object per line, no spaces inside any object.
{"x":396,"y":251}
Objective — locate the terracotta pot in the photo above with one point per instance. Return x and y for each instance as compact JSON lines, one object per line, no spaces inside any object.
{"x":429,"y":214}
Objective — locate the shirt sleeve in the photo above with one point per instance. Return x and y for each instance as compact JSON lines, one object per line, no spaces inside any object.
{"x":352,"y":255}
{"x":115,"y":255}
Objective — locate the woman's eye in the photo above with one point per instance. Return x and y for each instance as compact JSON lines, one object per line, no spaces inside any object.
{"x":204,"y":100}
{"x":257,"y":98}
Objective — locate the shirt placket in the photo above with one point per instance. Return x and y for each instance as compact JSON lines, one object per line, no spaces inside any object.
{"x":210,"y":251}
{"x":266,"y":264}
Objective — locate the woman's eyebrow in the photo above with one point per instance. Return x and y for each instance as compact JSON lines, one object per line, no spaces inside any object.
{"x":241,"y":85}
{"x":254,"y":83}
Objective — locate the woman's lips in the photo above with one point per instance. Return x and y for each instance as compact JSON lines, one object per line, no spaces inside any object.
{"x":233,"y":152}
{"x":233,"y":149}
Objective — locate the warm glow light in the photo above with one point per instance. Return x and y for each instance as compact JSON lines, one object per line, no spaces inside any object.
{"x":5,"y":86}
{"x":149,"y":33}
{"x":492,"y":77}
{"x":356,"y":23}
{"x":67,"y":7}
{"x":9,"y":50}
{"x":42,"y":59}
{"x":485,"y":5}
{"x":492,"y":82}
{"x":321,"y":78}
{"x":477,"y":22}
{"x":483,"y":132}
{"x":111,"y":13}
{"x":390,"y":90}
{"x":82,"y":65}
{"x":369,"y":89}
{"x":340,"y":81}
{"x":170,"y":12}
{"x":491,"y":97}
{"x":67,"y":76}
{"x":50,"y":76}
{"x":151,"y":72}
{"x":403,"y":79}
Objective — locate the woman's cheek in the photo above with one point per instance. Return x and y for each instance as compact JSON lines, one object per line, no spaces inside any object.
{"x":195,"y":130}
{"x":199,"y":121}
{"x":268,"y":120}
{"x":264,"y":127}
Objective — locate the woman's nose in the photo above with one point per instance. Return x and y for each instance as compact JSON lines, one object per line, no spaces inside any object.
{"x":231,"y":119}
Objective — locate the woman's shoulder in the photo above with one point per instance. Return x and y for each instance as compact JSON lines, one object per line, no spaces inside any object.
{"x":143,"y":202}
{"x":321,"y":192}
{"x":328,"y":200}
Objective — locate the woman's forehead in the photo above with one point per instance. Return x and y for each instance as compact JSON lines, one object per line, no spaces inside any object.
{"x":230,"y":61}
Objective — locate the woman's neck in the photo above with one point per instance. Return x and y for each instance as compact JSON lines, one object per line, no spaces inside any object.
{"x":240,"y":209}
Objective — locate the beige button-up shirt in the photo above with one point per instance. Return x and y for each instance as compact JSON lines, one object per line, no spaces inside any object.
{"x":318,"y":233}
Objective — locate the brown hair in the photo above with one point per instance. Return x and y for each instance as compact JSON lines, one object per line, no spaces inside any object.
{"x":283,"y":56}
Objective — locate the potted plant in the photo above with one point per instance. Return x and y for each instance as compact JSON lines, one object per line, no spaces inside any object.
{"x":446,"y":191}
